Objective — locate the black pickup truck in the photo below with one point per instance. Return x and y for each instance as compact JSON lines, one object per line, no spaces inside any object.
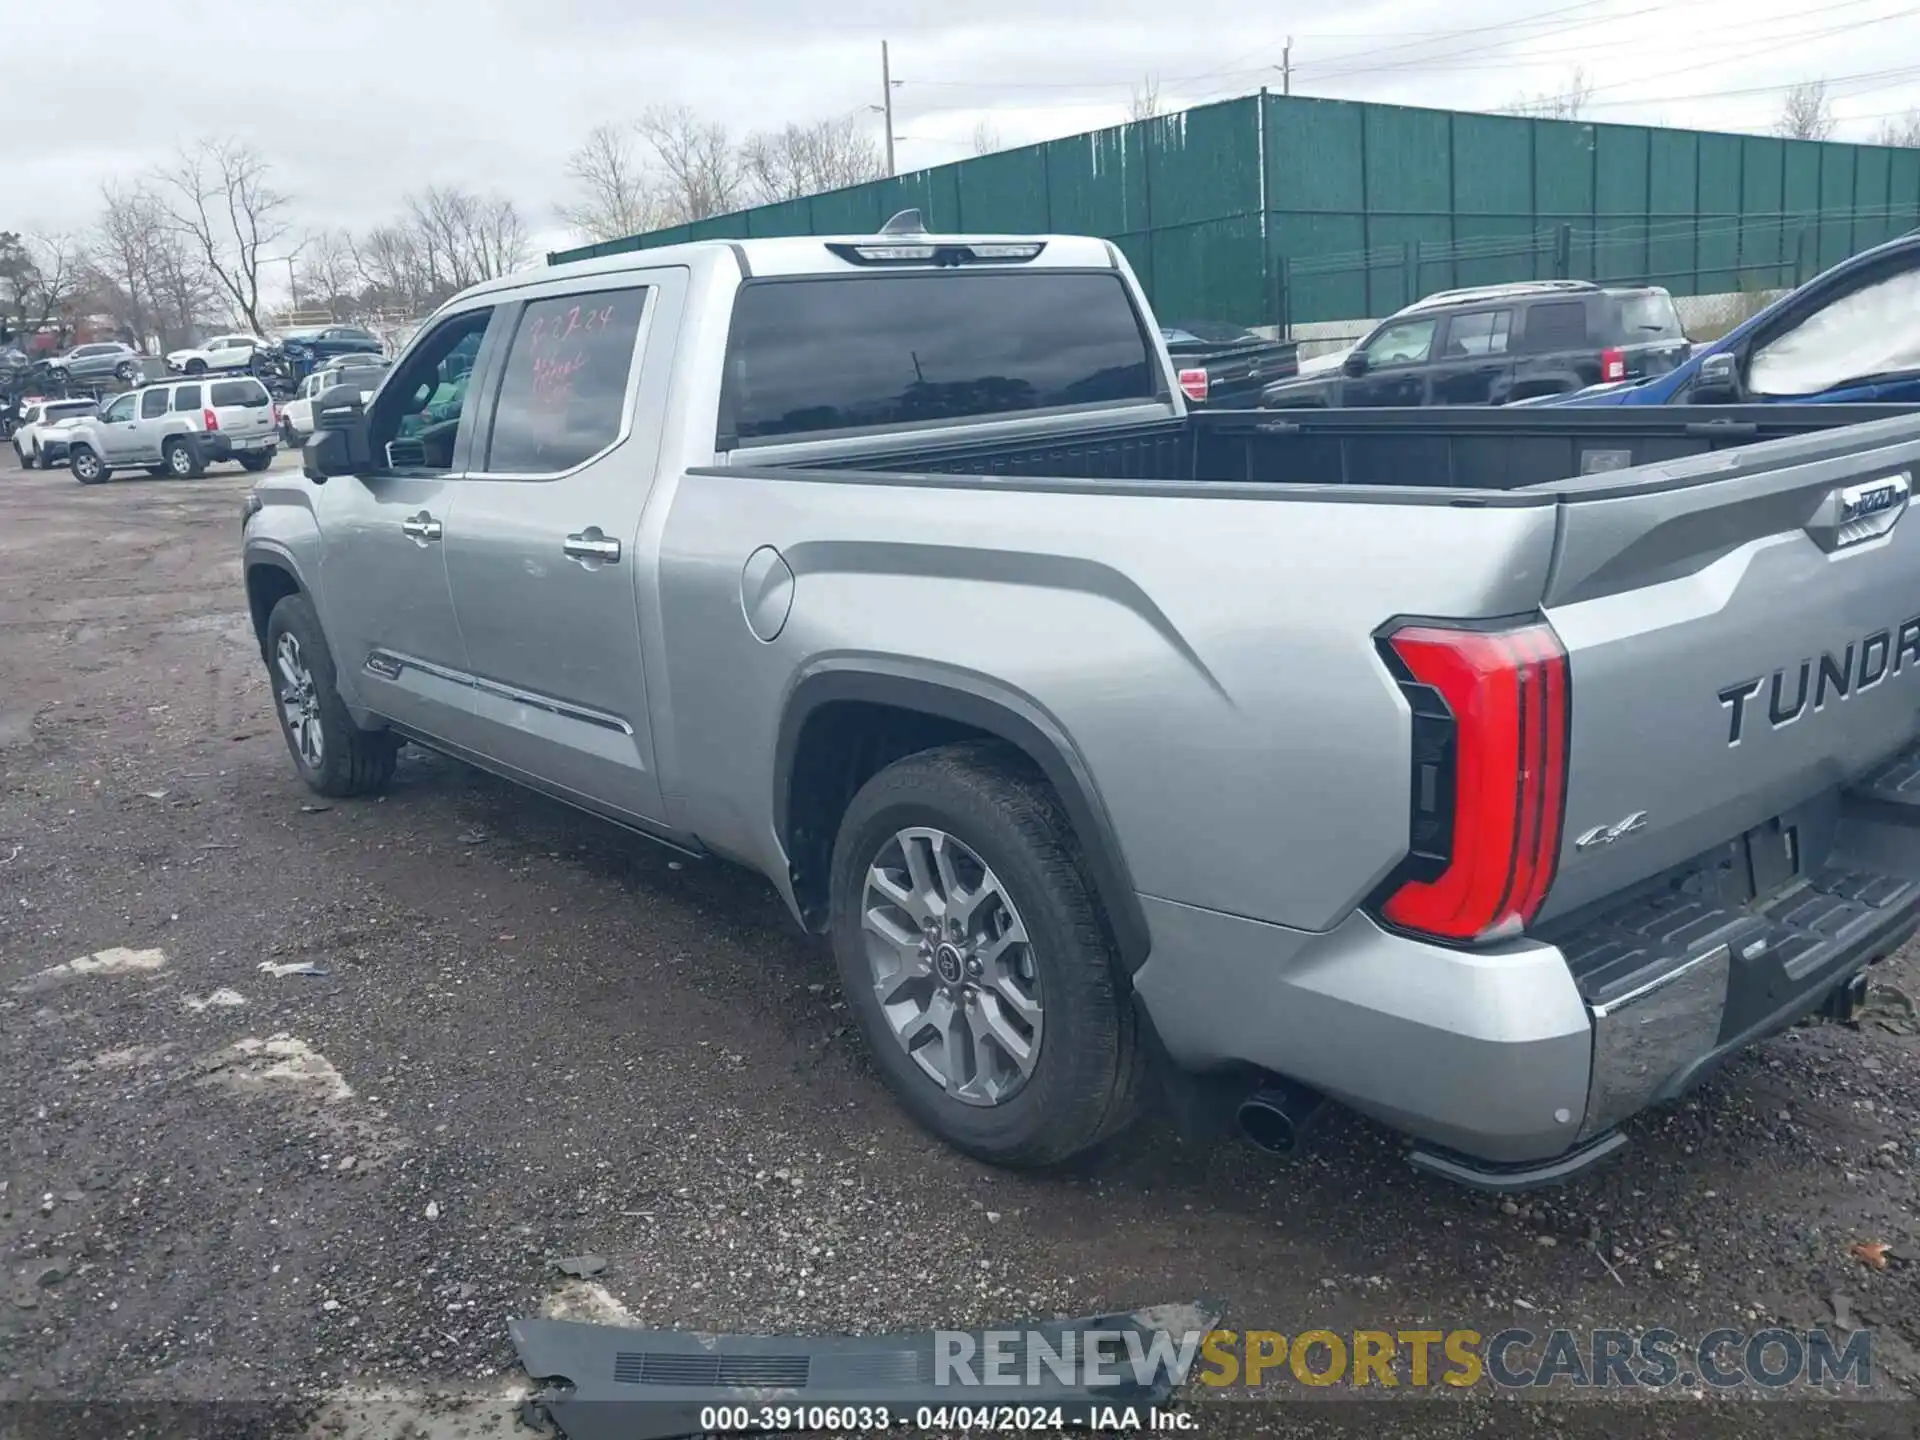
{"x":1227,"y":367}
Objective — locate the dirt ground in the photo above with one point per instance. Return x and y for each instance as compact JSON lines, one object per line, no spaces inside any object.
{"x":527,"y":1036}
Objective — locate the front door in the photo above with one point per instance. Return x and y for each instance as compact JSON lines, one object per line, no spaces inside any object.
{"x":387,"y":609}
{"x":120,"y":431}
{"x":544,"y":554}
{"x":1396,"y":372}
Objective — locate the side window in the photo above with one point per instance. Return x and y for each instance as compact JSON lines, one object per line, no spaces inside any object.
{"x":564,"y":388}
{"x":153,"y":404}
{"x":29,"y":415}
{"x":417,"y":417}
{"x":1557,"y":325}
{"x":1407,"y":343}
{"x":121,"y":409}
{"x":1848,"y":338}
{"x":1483,"y":333}
{"x":186,"y":397}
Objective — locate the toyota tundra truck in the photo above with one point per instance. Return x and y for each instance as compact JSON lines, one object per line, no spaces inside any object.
{"x":1494,"y":773}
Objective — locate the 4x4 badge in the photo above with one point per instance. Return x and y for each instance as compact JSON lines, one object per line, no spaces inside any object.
{"x":1606,"y":834}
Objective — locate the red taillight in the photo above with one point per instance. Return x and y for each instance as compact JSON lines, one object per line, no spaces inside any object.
{"x":1194,"y":383}
{"x":1490,"y":777}
{"x":210,"y":420}
{"x":276,"y":414}
{"x":1613,"y":365}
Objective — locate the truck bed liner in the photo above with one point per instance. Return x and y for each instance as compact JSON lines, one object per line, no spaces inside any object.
{"x":1473,"y":449}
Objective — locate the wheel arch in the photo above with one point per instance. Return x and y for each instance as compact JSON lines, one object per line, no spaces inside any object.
{"x":842,"y":726}
{"x":271,"y":577}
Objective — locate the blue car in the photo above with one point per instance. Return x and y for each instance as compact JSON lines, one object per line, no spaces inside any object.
{"x":1850,"y":335}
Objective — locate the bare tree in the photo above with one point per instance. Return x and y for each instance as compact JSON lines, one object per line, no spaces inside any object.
{"x":220,"y":197}
{"x":1903,"y":132}
{"x":1806,"y":113}
{"x":1144,"y":102}
{"x":331,"y":270}
{"x":48,"y":276}
{"x":393,"y":266}
{"x":1566,"y":104}
{"x":127,"y":240}
{"x":701,"y":171}
{"x":497,"y":240}
{"x":808,"y":159}
{"x":986,"y":139}
{"x":614,"y":197}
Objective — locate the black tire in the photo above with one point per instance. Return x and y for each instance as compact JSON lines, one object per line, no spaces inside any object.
{"x":1088,"y":1080}
{"x":352,"y":761}
{"x":196,"y":367}
{"x":126,"y":372}
{"x":256,"y":462}
{"x":182,"y":459}
{"x":87,"y":467}
{"x":29,"y":460}
{"x":156,"y":470}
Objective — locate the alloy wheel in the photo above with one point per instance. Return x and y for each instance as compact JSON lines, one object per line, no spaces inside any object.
{"x":299,"y":701}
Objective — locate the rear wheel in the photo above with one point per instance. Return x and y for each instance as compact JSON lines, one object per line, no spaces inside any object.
{"x":127,"y":372}
{"x":87,"y":466}
{"x":333,"y":755}
{"x":182,"y":459}
{"x":973,"y":954}
{"x":256,"y":462}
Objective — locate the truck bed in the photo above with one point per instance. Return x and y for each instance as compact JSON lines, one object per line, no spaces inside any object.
{"x":1459,"y":449}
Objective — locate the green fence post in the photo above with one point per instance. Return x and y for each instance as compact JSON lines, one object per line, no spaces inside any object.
{"x":1413,"y":271}
{"x":1562,"y":250}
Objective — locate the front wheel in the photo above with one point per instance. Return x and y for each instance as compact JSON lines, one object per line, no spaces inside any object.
{"x":87,"y":466}
{"x":196,"y":367}
{"x":333,"y":755}
{"x":971,"y":948}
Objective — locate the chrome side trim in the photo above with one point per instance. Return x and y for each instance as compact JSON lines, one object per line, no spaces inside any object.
{"x":1642,"y":1038}
{"x":385,"y":665}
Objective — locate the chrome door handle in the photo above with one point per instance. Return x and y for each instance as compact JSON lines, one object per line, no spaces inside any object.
{"x":422,"y":527}
{"x":592,"y":544}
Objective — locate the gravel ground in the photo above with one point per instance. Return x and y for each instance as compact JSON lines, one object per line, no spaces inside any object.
{"x":531,"y":1037}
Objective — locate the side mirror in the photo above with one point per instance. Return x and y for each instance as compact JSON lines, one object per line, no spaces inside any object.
{"x":1355,"y":363}
{"x":1718,"y":380}
{"x":340,"y":445}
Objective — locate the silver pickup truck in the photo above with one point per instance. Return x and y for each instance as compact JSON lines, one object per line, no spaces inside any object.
{"x":1496,"y":773}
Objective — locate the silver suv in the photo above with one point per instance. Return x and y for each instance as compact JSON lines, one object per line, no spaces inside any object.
{"x":177,"y":429}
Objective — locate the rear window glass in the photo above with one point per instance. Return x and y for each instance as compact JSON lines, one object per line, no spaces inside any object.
{"x":1647,"y":316}
{"x":1558,"y":325}
{"x":876,"y":350}
{"x":367,"y":377}
{"x":69,"y":407}
{"x":250,"y":393}
{"x":186,"y":397}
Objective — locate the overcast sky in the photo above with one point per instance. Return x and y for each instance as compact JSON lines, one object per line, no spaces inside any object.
{"x":357,"y":101}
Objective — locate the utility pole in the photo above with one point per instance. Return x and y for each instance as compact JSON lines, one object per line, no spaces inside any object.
{"x":886,"y":97}
{"x":1286,"y":67}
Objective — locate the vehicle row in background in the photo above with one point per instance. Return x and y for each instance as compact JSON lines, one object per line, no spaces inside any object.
{"x":1494,"y":344}
{"x":1849,"y":335}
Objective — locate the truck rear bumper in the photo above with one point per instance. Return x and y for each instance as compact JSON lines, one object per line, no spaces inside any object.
{"x":1516,"y":1063}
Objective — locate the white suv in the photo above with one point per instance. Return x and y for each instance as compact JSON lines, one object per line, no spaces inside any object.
{"x":34,"y":441}
{"x":177,"y":429}
{"x":221,"y":352}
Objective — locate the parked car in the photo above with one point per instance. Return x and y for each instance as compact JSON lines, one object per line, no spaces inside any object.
{"x":99,"y":360}
{"x":308,"y":348}
{"x":37,"y":440}
{"x":296,"y":415}
{"x":1098,"y":735}
{"x":1499,"y":343}
{"x":177,"y":428}
{"x":217,"y":353}
{"x":1227,"y":366}
{"x":1850,"y":334}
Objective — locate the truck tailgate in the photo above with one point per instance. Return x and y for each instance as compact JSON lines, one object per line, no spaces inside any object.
{"x":1743,"y":634}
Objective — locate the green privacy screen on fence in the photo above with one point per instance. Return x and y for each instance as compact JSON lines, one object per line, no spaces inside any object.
{"x":1282,"y":210}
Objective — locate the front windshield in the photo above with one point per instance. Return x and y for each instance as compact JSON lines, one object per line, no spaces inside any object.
{"x":1872,"y":330}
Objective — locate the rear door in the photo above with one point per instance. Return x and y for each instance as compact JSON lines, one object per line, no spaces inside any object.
{"x":244,"y":410}
{"x":1743,"y":629}
{"x":1472,"y":365}
{"x":542,"y":553}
